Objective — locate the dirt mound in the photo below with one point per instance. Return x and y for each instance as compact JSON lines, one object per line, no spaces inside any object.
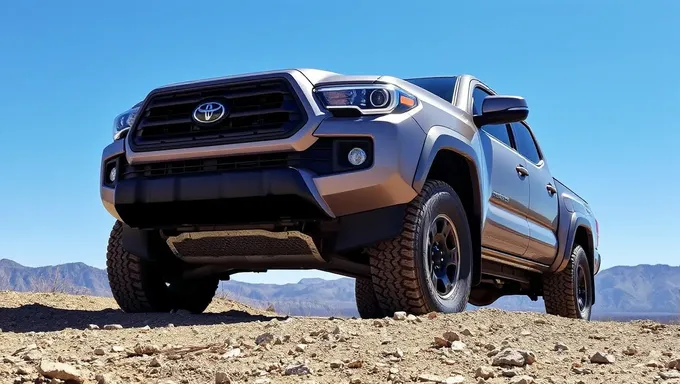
{"x":86,"y":339}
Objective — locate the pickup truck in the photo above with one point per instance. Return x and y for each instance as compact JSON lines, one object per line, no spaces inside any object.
{"x":431,"y":192}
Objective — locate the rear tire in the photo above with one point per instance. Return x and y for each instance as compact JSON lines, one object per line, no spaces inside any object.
{"x":569,"y":293}
{"x":367,"y":303}
{"x":415,"y":272}
{"x":139,"y":285}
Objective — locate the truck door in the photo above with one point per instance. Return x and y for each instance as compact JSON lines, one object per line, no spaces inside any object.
{"x":543,"y":205}
{"x":505,"y":228}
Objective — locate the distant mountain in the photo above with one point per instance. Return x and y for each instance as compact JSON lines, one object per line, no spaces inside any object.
{"x":622,"y":292}
{"x":66,"y":278}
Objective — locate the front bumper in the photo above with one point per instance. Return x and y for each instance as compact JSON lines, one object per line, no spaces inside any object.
{"x":241,"y":197}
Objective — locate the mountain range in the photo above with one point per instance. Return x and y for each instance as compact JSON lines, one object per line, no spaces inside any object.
{"x":623,"y":292}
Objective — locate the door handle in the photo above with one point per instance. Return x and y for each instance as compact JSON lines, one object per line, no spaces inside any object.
{"x":522,"y":171}
{"x":551,"y":190}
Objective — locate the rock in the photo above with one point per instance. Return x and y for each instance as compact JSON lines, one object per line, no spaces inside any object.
{"x":355,"y":364}
{"x":32,"y":355}
{"x":154,"y":363}
{"x":467,"y":332}
{"x":485,"y":373}
{"x":525,"y":333}
{"x":432,"y":315}
{"x":378,"y":323}
{"x":99,"y":352}
{"x":112,"y":327}
{"x":426,"y":377}
{"x":171,"y":325}
{"x":522,"y":380}
{"x":457,"y":346}
{"x":411,"y":318}
{"x":441,"y":342}
{"x":337,"y":330}
{"x":222,"y":378}
{"x":582,"y":349}
{"x":529,"y":357}
{"x":453,"y":380}
{"x":670,"y":375}
{"x":27,"y":348}
{"x":630,"y":351}
{"x":451,"y":336}
{"x":300,"y":347}
{"x":561,"y":347}
{"x":264,"y":338}
{"x":400,"y":315}
{"x":602,"y":358}
{"x":307,"y":340}
{"x":298,"y":370}
{"x":674,"y":364}
{"x":653,"y":364}
{"x":355,"y":381}
{"x":540,"y":321}
{"x":231,"y":353}
{"x":508,"y":373}
{"x":335,"y":364}
{"x":513,"y":357}
{"x":60,"y":371}
{"x":580,"y":370}
{"x":117,"y":349}
{"x":145,"y":329}
{"x":146,"y":349}
{"x":92,"y":326}
{"x":105,"y":378}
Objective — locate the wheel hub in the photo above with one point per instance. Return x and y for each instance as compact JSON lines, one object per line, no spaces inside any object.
{"x":582,"y":289}
{"x":442,"y":252}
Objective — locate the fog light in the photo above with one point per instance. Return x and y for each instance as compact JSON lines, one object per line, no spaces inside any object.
{"x":356,"y":156}
{"x":113,"y":174}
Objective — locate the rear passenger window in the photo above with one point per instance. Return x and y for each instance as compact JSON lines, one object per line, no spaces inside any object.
{"x":525,"y":142}
{"x":499,"y":131}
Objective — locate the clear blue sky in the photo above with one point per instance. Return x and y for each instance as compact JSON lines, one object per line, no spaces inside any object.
{"x":602,"y":82}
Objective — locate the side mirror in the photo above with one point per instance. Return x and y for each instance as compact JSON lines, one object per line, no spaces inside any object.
{"x":502,"y":110}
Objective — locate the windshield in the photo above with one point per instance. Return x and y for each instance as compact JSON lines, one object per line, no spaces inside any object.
{"x":440,"y":86}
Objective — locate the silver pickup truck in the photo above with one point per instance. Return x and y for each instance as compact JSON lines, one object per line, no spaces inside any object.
{"x":431,"y":192}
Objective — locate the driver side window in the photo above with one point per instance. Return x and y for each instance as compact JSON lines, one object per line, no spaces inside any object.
{"x":499,"y":131}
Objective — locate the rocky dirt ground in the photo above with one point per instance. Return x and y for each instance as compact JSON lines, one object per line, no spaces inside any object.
{"x":54,"y":338}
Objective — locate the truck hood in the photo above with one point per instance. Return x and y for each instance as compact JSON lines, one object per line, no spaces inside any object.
{"x":315,"y":76}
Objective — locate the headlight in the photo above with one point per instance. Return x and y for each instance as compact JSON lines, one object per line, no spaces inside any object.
{"x":123,"y":122}
{"x":365,"y":99}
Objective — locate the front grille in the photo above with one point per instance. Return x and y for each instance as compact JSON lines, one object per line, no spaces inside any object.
{"x":257,"y":110}
{"x":318,"y":158}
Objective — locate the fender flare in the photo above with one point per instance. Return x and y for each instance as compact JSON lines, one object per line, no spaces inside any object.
{"x":576,"y":220}
{"x":438,"y":139}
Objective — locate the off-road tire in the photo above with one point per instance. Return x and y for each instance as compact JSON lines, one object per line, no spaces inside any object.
{"x":139,"y":286}
{"x":367,"y":303}
{"x":398,"y":266}
{"x":560,"y":290}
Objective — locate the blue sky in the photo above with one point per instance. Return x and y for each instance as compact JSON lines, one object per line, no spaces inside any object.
{"x":602,"y":81}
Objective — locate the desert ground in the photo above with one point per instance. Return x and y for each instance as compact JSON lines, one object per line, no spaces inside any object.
{"x":57,"y":338}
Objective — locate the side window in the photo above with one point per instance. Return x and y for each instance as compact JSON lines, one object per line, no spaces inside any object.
{"x":499,"y":131}
{"x":478,"y":96}
{"x":525,"y":142}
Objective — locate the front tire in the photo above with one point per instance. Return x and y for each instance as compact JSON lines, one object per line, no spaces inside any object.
{"x":367,"y":303}
{"x":428,"y":267}
{"x":139,"y":285}
{"x":569,"y":293}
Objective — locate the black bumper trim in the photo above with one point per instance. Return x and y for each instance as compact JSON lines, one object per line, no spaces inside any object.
{"x":218,"y":198}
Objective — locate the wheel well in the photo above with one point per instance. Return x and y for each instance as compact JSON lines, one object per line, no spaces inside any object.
{"x":584,"y":238}
{"x":456,"y":171}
